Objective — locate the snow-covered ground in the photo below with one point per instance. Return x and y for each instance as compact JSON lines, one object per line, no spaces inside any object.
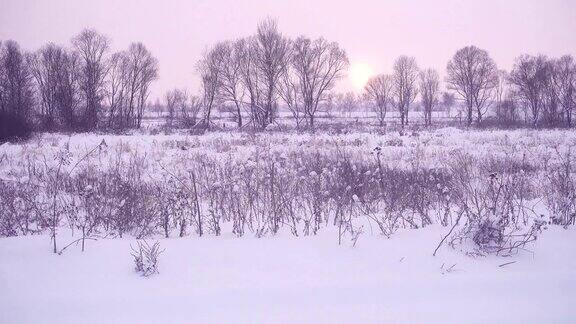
{"x":284,"y":278}
{"x":289,"y":280}
{"x":436,"y":146}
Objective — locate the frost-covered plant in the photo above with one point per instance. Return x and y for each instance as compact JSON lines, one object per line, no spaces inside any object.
{"x":494,"y":207}
{"x":265,"y":184}
{"x":18,"y":208}
{"x":54,"y":189}
{"x":394,"y":141}
{"x":561,"y":190}
{"x":146,"y":258}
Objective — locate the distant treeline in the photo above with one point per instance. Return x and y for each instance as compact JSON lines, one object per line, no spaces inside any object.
{"x":252,"y":77}
{"x":85,"y":87}
{"x":76,"y":88}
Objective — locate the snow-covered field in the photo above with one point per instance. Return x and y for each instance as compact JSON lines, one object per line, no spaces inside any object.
{"x":288,"y":280}
{"x":273,"y":208}
{"x":433,"y":147}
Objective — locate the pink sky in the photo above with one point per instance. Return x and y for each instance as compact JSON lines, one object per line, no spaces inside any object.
{"x":372,"y":32}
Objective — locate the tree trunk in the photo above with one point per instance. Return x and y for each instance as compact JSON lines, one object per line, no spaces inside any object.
{"x":239,"y":111}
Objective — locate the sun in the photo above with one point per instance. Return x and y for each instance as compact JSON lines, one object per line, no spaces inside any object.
{"x":359,"y":74}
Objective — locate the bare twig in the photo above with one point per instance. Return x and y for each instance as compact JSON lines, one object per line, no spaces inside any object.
{"x":507,"y":263}
{"x":449,"y":233}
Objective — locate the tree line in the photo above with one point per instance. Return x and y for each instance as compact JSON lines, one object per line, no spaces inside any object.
{"x":254,"y":75}
{"x":538,"y":91}
{"x":81,"y":87}
{"x":84,"y":86}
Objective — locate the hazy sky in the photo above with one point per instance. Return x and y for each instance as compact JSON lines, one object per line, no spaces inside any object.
{"x":373,"y":33}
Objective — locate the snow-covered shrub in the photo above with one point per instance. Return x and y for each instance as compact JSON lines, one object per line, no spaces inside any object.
{"x":494,"y":208}
{"x":18,"y":215}
{"x":88,"y":204}
{"x":561,"y":190}
{"x":488,"y":233}
{"x":493,"y":185}
{"x":132,"y":201}
{"x":146,"y":258}
{"x":408,"y":196}
{"x":394,"y":141}
{"x":178,"y":207}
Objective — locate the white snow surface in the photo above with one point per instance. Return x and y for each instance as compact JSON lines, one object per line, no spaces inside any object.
{"x":177,"y":151}
{"x":284,"y":279}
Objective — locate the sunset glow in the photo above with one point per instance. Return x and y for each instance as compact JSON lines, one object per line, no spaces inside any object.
{"x":359,"y":74}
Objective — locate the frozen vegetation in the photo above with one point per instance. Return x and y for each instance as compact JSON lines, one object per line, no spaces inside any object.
{"x":264,"y":193}
{"x":442,"y":225}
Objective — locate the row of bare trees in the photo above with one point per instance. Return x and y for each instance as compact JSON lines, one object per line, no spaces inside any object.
{"x":253,"y":76}
{"x":81,"y":87}
{"x":131,"y":73}
{"x":16,"y":92}
{"x":400,"y":90}
{"x":544,"y":88}
{"x":84,"y":87}
{"x":181,"y":109}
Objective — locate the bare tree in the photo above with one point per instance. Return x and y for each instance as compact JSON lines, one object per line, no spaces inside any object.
{"x":247,"y":50}
{"x":231,"y":86}
{"x":272,"y":55}
{"x":143,"y":69}
{"x":502,"y":89}
{"x":379,"y":90}
{"x":529,"y":77}
{"x":317,"y":64}
{"x":190,"y":114}
{"x":473,"y":75}
{"x":157,"y":107}
{"x":16,"y":91}
{"x":210,"y":69}
{"x":565,"y":83}
{"x":552,"y":110}
{"x":68,"y":94}
{"x":448,"y":101}
{"x":291,"y":96}
{"x":45,"y":65}
{"x":57,"y":74}
{"x":149,"y":73}
{"x":117,"y":85}
{"x":405,"y":87}
{"x":345,"y":103}
{"x":176,"y":102}
{"x":92,"y":47}
{"x":16,"y":82}
{"x":505,"y":100}
{"x":170,"y":99}
{"x":130,"y":74}
{"x":429,"y":89}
